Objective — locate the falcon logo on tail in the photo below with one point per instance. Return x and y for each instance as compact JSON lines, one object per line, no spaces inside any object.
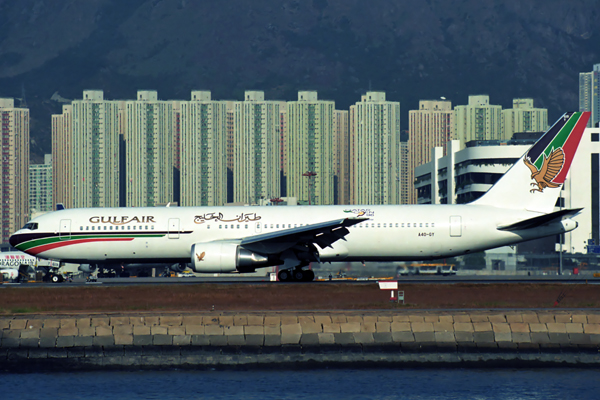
{"x":551,"y":166}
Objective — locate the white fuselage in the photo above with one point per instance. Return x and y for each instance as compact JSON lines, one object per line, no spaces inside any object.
{"x":167,"y":234}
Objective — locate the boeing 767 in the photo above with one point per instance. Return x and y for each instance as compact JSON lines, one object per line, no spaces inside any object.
{"x":519,"y":207}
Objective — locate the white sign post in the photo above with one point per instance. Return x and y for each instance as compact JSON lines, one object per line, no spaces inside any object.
{"x":393,"y":287}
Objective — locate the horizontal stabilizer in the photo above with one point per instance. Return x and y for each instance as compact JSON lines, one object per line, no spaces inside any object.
{"x":541,"y":220}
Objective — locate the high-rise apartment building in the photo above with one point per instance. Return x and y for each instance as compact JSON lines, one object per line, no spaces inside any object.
{"x":310,"y":173}
{"x":40,"y":186}
{"x":405,"y":183}
{"x":176,"y":149}
{"x":149,"y":127}
{"x":479,"y":120}
{"x":62,"y":158}
{"x":283,"y":130}
{"x":523,"y":117}
{"x":230,"y":134}
{"x":375,"y":178}
{"x":14,"y":132}
{"x":203,"y":151}
{"x":432,"y":125}
{"x":257,"y":152}
{"x":341,"y":153}
{"x":94,"y":152}
{"x":589,"y":94}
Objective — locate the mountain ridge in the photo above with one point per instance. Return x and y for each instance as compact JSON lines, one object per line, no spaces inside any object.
{"x":412,"y":50}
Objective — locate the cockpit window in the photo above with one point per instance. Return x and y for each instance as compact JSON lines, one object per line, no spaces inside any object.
{"x":32,"y":226}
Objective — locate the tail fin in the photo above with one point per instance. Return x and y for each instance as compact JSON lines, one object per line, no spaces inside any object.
{"x":534,"y":182}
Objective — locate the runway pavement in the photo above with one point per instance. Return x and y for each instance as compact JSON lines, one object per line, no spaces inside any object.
{"x":476,"y":279}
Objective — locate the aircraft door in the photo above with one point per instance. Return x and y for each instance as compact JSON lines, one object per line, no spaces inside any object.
{"x":455,"y":226}
{"x":173,"y":228}
{"x":65,"y":229}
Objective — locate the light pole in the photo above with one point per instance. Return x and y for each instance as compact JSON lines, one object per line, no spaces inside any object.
{"x":309,"y":174}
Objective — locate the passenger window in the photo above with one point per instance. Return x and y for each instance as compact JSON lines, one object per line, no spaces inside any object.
{"x":219,"y":226}
{"x":246,"y":226}
{"x":271,"y":226}
{"x":128,"y":227}
{"x":426,"y":225}
{"x":237,"y":227}
{"x":432,"y":224}
{"x":207,"y":226}
{"x":396,"y":224}
{"x":420,"y":225}
{"x":277,"y":226}
{"x":379,"y":225}
{"x":146,"y":227}
{"x":93,"y":227}
{"x":408,"y":225}
{"x":111,"y":227}
{"x":384,"y":225}
{"x":105,"y":227}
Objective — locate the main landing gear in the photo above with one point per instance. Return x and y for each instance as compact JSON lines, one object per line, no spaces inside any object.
{"x":53,"y":276}
{"x":296,"y":275}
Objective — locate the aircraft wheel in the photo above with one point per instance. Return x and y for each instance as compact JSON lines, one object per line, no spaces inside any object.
{"x":299,"y":275}
{"x":284,"y":275}
{"x":309,"y":276}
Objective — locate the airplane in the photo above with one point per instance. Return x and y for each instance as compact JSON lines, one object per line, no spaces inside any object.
{"x":15,"y":263}
{"x":517,"y":208}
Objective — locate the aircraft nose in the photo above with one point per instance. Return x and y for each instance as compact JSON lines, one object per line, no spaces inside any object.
{"x":14,"y":240}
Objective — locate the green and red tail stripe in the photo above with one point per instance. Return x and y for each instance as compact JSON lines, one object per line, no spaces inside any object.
{"x":566,"y":134}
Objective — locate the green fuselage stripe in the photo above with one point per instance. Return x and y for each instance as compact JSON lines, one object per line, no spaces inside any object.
{"x":39,"y":242}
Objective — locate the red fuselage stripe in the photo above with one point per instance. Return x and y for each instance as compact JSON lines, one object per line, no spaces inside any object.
{"x":50,"y":246}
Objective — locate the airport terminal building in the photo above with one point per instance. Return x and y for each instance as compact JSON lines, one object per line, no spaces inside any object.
{"x":462,"y":176}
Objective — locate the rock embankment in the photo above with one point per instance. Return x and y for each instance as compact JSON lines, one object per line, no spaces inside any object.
{"x":155,"y":340}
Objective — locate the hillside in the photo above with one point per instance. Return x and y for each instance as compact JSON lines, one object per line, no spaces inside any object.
{"x":412,"y":49}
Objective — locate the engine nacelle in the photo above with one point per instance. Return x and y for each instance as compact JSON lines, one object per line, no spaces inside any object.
{"x":10,"y":274}
{"x":225,"y":257}
{"x":178,"y":267}
{"x":89,"y":268}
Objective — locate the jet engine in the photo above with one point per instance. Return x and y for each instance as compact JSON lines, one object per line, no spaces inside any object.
{"x":89,"y":268}
{"x":178,"y":267}
{"x":225,"y":257}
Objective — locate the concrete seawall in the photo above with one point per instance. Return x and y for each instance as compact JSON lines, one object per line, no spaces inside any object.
{"x":271,"y":339}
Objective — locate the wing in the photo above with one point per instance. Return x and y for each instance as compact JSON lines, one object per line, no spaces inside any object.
{"x":322,"y":234}
{"x":552,"y":165}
